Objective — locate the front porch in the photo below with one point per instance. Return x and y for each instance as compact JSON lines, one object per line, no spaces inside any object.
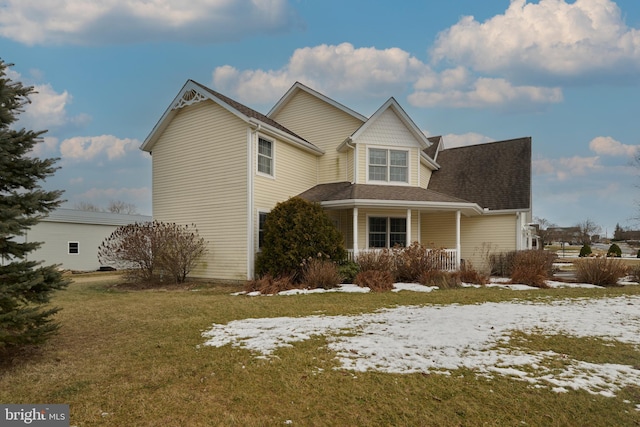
{"x":447,"y":259}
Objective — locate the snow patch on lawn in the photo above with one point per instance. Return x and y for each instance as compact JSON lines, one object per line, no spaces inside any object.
{"x":440,"y":339}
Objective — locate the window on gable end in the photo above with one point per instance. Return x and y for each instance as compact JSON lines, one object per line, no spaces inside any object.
{"x":388,"y":165}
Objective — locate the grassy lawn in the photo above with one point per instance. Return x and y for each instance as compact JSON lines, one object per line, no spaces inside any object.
{"x":135,"y":358}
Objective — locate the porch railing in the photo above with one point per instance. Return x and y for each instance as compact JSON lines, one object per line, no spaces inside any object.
{"x":447,"y":258}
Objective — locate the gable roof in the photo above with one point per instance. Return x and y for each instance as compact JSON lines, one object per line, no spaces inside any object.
{"x":494,"y":175}
{"x":393,"y":105}
{"x":193,"y":92}
{"x":434,"y":148}
{"x":297,"y":86}
{"x":342,"y":194}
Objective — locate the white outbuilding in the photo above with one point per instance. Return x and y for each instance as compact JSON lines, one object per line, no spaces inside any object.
{"x":71,"y":237}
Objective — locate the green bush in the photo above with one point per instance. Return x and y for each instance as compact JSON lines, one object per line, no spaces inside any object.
{"x":296,"y":230}
{"x":585,"y":250}
{"x":614,"y":251}
{"x":348,"y":271}
{"x":600,"y":271}
{"x":638,"y":255}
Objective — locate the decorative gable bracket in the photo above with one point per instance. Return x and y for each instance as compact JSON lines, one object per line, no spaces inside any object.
{"x":188,"y":98}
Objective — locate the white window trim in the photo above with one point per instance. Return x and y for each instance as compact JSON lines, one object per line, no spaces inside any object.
{"x":273,"y":157}
{"x":388,"y":149}
{"x":388,"y":217}
{"x":69,"y":249}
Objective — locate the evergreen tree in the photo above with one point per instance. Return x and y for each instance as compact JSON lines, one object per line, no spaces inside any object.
{"x":25,"y":286}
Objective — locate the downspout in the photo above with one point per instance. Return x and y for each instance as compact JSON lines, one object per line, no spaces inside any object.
{"x":355,"y":161}
{"x":251,"y":134}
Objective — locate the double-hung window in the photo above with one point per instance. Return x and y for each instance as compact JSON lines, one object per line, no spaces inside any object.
{"x":387,"y":232}
{"x":265,"y":156}
{"x":388,"y":165}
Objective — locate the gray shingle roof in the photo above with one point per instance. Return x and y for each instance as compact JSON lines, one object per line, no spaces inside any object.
{"x":348,"y":191}
{"x":495,"y":175}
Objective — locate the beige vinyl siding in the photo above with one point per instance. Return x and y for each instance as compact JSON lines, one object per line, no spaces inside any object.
{"x":425,"y":175}
{"x":294,"y":172}
{"x":478,"y":234}
{"x":323,"y":125}
{"x":199,"y":176}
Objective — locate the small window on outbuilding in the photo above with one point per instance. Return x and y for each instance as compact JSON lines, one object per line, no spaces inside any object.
{"x":74,"y":248}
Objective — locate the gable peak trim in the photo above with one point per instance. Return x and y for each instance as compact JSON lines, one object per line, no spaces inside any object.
{"x":189,"y":97}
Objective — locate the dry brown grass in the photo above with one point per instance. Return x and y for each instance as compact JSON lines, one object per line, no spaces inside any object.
{"x":321,"y":273}
{"x":441,"y":279}
{"x":135,"y":358}
{"x":269,"y":285}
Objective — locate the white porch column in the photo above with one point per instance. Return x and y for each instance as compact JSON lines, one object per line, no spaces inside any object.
{"x":408,"y":242}
{"x":355,"y":232}
{"x":458,"y":245}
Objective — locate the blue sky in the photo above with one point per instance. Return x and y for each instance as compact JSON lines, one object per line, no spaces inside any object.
{"x":566,"y":73}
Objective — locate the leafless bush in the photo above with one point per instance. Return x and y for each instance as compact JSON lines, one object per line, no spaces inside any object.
{"x":376,"y":280}
{"x":152,"y":250}
{"x":600,"y":271}
{"x":321,"y":273}
{"x":378,"y":260}
{"x":269,"y":285}
{"x":502,"y":263}
{"x":635,"y":273}
{"x":532,"y":267}
{"x":411,"y":261}
{"x":441,"y":279}
{"x":468,"y":274}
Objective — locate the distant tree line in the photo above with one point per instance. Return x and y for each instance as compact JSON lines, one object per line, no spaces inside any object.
{"x":114,"y":206}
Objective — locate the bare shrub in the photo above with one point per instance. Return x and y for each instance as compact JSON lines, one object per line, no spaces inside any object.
{"x":376,"y":280}
{"x":502,"y":263}
{"x":378,"y":260}
{"x":635,"y":273}
{"x":532,"y":267}
{"x":320,"y":273}
{"x":600,"y":271}
{"x":269,"y":285}
{"x":441,"y":279}
{"x":411,"y":261}
{"x":468,"y":274}
{"x":152,"y":250}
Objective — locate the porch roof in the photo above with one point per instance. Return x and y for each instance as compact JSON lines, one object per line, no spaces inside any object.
{"x":346,"y":194}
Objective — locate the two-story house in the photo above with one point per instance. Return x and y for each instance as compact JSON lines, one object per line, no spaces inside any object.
{"x":223,"y":166}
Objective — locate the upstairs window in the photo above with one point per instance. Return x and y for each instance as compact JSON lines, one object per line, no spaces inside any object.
{"x":265,"y":156}
{"x":388,"y":165}
{"x":262,"y":218}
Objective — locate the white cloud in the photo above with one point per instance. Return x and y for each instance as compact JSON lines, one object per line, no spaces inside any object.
{"x":485,"y":92}
{"x":371,"y":72}
{"x":549,"y":37}
{"x":340,"y":68}
{"x":605,"y":145}
{"x":566,"y":167}
{"x":47,"y":108}
{"x":90,"y":147}
{"x":125,"y":21}
{"x":471,"y":138}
